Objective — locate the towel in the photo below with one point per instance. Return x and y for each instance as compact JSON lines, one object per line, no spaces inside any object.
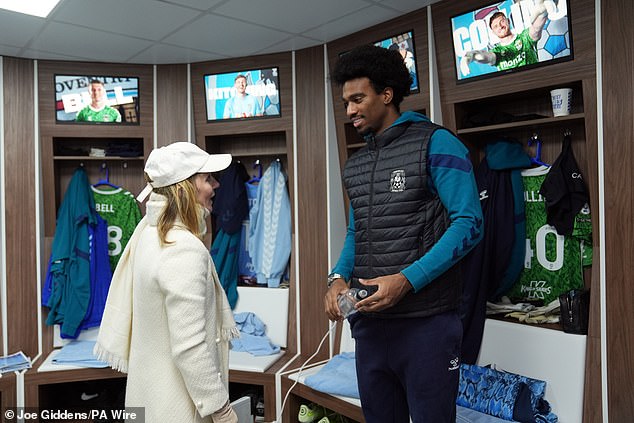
{"x":79,"y":353}
{"x":337,"y":377}
{"x":252,"y":336}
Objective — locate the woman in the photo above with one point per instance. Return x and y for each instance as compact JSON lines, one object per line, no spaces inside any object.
{"x":167,"y":322}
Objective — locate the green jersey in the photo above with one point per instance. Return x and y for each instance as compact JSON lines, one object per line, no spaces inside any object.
{"x":522,"y":51}
{"x":119,"y":208}
{"x":107,"y":114}
{"x":553,"y":263}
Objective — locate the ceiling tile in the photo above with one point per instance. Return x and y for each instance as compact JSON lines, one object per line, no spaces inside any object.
{"x":195,"y":4}
{"x":225,"y":36}
{"x":166,"y":54}
{"x":17,"y":29}
{"x":9,"y":51}
{"x":87,"y":43}
{"x":47,"y":55}
{"x":344,"y":26}
{"x":404,"y":6}
{"x":296,"y":42}
{"x":126,"y":17}
{"x":292,"y":16}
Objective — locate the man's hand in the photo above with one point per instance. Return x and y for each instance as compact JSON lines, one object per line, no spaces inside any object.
{"x":391,"y":289}
{"x":330,"y":300}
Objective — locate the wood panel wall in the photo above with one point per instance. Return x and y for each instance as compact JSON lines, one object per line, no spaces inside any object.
{"x":171,"y":103}
{"x":252,"y":136}
{"x":19,"y":179}
{"x":49,"y":129}
{"x":618,"y":119}
{"x":311,"y":177}
{"x":581,"y":71}
{"x":57,"y":174}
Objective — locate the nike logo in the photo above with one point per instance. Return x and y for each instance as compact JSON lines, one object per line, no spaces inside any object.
{"x":88,"y":397}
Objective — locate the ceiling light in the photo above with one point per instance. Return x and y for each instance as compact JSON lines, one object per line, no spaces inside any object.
{"x":40,"y":8}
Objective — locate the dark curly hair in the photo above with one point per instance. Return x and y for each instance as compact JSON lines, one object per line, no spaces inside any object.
{"x":383,"y":67}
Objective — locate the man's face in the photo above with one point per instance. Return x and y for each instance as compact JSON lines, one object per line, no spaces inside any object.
{"x":500,"y":27}
{"x":241,"y":85}
{"x":367,"y":110}
{"x":97,"y":92}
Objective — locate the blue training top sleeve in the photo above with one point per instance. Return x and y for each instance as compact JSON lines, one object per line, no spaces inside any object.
{"x":345,"y":264}
{"x":453,"y":179}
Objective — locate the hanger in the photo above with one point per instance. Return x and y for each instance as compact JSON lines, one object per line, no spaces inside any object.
{"x":255,"y":179}
{"x":106,"y":181}
{"x":538,"y":150}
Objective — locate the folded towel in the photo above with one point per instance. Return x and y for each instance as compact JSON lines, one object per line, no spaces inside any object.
{"x":338,"y":376}
{"x":79,"y":353}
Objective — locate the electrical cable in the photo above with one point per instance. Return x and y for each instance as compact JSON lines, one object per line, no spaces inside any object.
{"x":299,"y":373}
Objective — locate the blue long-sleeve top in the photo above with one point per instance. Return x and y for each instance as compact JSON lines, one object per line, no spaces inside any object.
{"x":453,"y":180}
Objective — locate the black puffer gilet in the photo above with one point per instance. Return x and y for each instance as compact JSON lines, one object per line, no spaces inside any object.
{"x":397,"y":217}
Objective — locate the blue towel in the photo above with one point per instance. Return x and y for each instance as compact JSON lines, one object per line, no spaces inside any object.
{"x":252,"y":336}
{"x":338,"y":377}
{"x":78,"y":353}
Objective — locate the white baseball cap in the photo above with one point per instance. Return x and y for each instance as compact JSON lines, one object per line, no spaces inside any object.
{"x":178,"y":161}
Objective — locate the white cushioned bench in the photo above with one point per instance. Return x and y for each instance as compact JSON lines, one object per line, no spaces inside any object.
{"x":270,"y":305}
{"x":546,"y":354}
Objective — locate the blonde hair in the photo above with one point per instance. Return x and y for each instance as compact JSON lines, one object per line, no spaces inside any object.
{"x":182,"y":205}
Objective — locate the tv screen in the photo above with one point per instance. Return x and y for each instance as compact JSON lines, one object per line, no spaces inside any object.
{"x":404,"y":44}
{"x":96,"y":99}
{"x":510,"y":35}
{"x":244,"y":94}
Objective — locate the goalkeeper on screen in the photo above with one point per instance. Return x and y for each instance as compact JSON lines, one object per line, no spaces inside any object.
{"x":513,"y":50}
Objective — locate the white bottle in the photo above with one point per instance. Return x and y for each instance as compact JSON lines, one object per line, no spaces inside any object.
{"x":348,"y":299}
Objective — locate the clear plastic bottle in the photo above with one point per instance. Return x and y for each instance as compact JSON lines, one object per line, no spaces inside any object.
{"x":348,"y":299}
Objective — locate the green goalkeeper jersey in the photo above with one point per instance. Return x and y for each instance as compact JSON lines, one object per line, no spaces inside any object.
{"x":522,"y":51}
{"x":107,"y":114}
{"x":553,"y":263}
{"x":120,"y":210}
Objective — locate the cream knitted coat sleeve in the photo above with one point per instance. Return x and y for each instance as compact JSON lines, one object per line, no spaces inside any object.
{"x":176,"y":358}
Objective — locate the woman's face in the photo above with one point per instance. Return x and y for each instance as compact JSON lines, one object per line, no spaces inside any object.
{"x":206,"y":186}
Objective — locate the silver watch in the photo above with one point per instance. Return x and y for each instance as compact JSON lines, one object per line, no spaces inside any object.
{"x":333,"y":277}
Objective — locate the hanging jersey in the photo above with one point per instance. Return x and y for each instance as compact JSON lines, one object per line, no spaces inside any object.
{"x":119,"y":208}
{"x":553,"y":263}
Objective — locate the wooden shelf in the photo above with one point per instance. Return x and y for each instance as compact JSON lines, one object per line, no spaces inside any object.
{"x":121,"y":158}
{"x":522,"y":124}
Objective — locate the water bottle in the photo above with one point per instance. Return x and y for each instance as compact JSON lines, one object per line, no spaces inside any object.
{"x":348,"y":299}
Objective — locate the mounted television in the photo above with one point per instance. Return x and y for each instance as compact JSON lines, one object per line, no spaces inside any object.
{"x":509,"y":36}
{"x":404,"y":44}
{"x":97,"y":99}
{"x":244,"y":94}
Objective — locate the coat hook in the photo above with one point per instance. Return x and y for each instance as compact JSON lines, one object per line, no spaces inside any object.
{"x":567,"y":132}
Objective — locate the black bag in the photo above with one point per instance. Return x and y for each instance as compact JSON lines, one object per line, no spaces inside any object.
{"x":575,"y":306}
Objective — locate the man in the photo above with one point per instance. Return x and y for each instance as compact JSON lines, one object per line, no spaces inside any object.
{"x":241,"y":105}
{"x":98,"y":109}
{"x":513,"y":50}
{"x":414,"y":213}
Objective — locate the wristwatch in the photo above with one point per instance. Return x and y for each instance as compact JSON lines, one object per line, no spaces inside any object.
{"x":333,"y":277}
